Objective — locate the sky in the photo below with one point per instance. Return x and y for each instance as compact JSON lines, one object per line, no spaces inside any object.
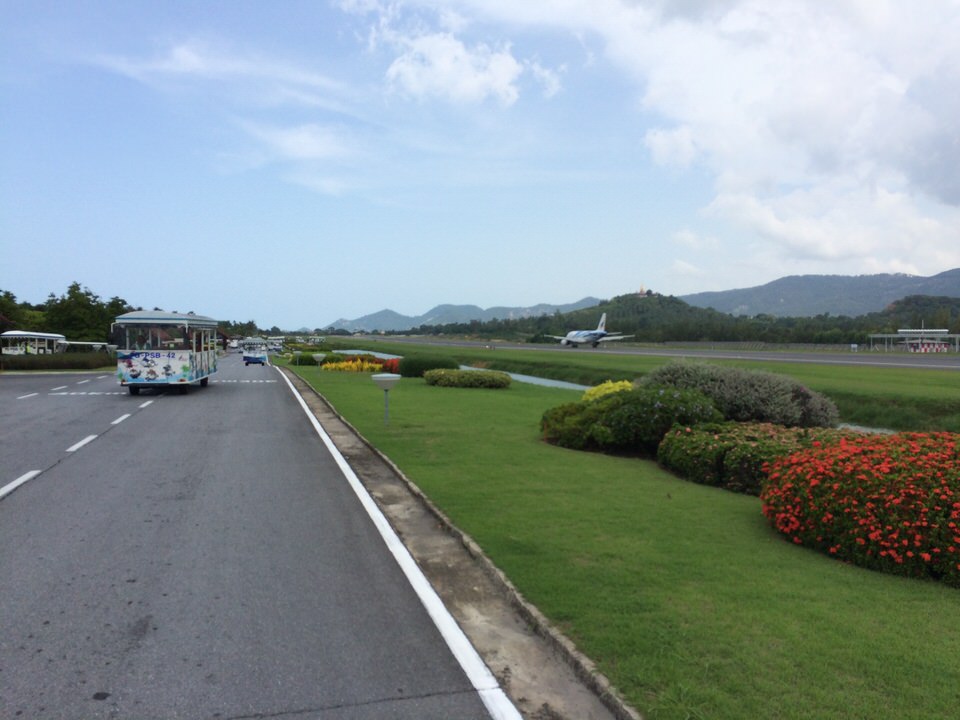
{"x":294,"y":163}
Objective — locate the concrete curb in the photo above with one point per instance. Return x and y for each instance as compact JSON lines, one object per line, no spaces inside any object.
{"x":584,"y":668}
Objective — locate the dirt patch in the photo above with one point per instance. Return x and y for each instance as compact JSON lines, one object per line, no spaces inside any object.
{"x":539,"y":669}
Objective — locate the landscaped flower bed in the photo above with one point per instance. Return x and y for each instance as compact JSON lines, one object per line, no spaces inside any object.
{"x":362,"y":364}
{"x":889,"y":502}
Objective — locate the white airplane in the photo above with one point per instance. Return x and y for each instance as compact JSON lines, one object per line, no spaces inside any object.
{"x":590,"y":337}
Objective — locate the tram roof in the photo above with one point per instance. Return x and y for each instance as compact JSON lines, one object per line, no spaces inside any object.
{"x":156,"y":317}
{"x":25,"y":334}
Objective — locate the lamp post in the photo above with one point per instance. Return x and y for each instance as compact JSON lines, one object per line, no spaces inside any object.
{"x":385,"y":381}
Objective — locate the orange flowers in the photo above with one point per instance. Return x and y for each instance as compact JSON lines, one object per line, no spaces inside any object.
{"x":890,"y":503}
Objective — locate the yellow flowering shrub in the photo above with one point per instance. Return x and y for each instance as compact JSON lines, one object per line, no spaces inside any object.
{"x":355,"y":365}
{"x":606,"y":388}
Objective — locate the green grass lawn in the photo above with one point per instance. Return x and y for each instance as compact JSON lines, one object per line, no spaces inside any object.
{"x":682,"y":594}
{"x":874,"y":396}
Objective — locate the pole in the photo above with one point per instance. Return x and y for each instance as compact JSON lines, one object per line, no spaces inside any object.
{"x":386,"y":407}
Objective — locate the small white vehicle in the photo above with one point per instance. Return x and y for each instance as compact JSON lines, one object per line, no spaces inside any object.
{"x":254,"y":351}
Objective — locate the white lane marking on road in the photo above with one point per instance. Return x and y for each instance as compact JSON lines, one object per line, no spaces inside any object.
{"x":77,"y":446}
{"x":10,"y":487}
{"x":84,"y":392}
{"x":81,"y":382}
{"x":484,"y":681}
{"x":24,"y":397}
{"x":143,"y":405}
{"x":120,"y":419}
{"x":62,"y":387}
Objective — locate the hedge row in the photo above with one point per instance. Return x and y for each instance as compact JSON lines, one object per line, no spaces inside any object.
{"x":58,"y":361}
{"x":416,"y":366}
{"x":732,"y":455}
{"x":444,"y":377}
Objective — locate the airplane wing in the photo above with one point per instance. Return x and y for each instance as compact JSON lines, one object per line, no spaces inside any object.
{"x":557,"y":337}
{"x":608,"y":338}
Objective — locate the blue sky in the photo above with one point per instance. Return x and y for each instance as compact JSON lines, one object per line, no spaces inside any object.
{"x":298,"y":162}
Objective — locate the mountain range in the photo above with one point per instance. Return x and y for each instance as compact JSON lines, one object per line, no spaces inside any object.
{"x":390,"y":321}
{"x":792,"y":296}
{"x":812,"y":295}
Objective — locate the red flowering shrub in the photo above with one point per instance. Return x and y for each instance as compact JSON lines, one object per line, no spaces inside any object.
{"x":391,"y":365}
{"x":890,"y":502}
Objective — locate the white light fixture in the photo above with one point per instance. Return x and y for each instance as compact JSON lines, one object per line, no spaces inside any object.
{"x":386,"y":381}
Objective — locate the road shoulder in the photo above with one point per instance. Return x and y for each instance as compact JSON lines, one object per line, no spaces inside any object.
{"x":539,"y":669}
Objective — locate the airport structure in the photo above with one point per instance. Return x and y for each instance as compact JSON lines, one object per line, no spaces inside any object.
{"x":923,"y":340}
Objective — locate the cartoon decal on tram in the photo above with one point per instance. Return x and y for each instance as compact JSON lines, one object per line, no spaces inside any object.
{"x":159,"y":348}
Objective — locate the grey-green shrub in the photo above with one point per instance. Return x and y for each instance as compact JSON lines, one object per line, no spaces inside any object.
{"x":443,"y":377}
{"x":749,"y":395}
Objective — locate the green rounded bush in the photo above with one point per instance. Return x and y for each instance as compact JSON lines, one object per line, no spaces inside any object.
{"x":749,"y":395}
{"x":305,"y":359}
{"x":631,"y":421}
{"x":443,"y":377}
{"x":565,"y":425}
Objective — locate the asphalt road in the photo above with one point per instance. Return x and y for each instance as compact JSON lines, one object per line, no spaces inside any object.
{"x":199,"y":556}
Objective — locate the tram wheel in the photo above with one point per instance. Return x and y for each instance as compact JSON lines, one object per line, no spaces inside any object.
{"x":133,"y":390}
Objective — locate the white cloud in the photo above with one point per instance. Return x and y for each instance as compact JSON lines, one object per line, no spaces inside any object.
{"x":831,"y":129}
{"x":322,"y":184}
{"x":690,"y":239}
{"x":440,"y":65}
{"x":302,"y":142}
{"x":674,"y":148}
{"x":885,"y":230}
{"x":549,"y":79}
{"x":199,"y":59}
{"x":250,"y":78}
{"x":685,"y":269}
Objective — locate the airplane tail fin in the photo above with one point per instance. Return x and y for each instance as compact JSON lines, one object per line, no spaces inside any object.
{"x":602,"y":327}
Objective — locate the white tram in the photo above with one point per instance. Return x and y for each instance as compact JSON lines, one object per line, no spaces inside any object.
{"x":156,"y":349}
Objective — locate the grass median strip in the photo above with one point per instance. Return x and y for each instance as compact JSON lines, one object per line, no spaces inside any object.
{"x":682,"y":594}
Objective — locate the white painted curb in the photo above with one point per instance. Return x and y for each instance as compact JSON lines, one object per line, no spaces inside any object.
{"x":483,"y":681}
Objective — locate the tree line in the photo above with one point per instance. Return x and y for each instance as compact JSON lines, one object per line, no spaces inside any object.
{"x":81,"y":315}
{"x":652,"y":317}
